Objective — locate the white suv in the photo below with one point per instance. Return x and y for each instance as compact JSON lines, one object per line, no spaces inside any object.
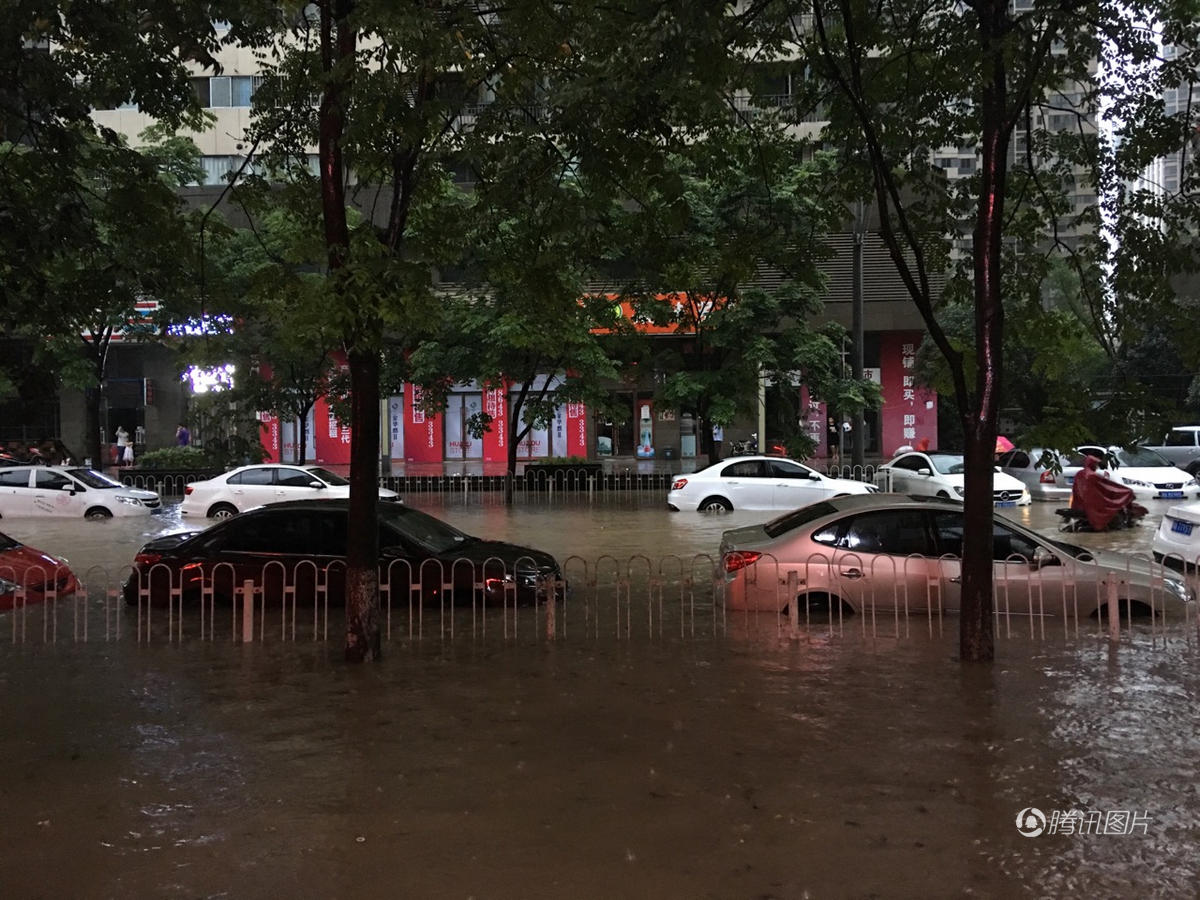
{"x":69,"y":491}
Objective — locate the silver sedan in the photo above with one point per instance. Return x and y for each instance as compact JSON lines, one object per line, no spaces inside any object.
{"x":888,"y":551}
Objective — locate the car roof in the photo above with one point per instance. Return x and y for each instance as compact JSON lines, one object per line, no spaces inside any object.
{"x":853,"y":502}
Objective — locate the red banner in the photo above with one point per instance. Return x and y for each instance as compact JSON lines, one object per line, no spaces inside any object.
{"x":909,"y":412}
{"x":422,"y":432}
{"x":269,"y":435}
{"x":577,"y":440}
{"x":495,"y":442}
{"x":331,"y":437}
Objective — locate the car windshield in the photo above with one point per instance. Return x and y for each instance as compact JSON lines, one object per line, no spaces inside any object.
{"x":423,"y":528}
{"x":947,"y":463}
{"x":797,"y":517}
{"x":94,"y":480}
{"x":328,"y":477}
{"x":1142,"y":457}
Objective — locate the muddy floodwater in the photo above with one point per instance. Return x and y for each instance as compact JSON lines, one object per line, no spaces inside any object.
{"x":744,"y":765}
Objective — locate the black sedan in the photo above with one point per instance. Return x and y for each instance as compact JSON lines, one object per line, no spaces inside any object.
{"x":297,"y":550}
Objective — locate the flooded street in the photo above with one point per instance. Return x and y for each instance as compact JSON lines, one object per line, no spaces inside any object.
{"x":739,"y":766}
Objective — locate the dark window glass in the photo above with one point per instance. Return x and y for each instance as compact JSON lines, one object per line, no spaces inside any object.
{"x":911,"y":463}
{"x":253,"y":476}
{"x":14,"y":478}
{"x":1181,"y":438}
{"x":52,"y":481}
{"x":200,"y":86}
{"x":898,"y":532}
{"x":948,"y":526}
{"x":751,"y":468}
{"x":1007,"y":543}
{"x":780,"y":468}
{"x":294,"y":478}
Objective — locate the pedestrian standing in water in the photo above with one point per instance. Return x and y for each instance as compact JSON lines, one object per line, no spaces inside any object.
{"x":124,"y":447}
{"x":832,"y":436}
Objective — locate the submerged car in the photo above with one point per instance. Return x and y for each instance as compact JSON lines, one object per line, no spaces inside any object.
{"x":937,"y":474}
{"x":1176,"y":543}
{"x":28,"y":575}
{"x":70,"y":491}
{"x":298,"y":548}
{"x":856,"y":554}
{"x":1037,"y":470}
{"x":757,"y":482}
{"x":244,"y":488}
{"x":1147,"y":473}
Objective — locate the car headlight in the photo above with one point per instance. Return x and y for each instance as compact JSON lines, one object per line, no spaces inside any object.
{"x":130,"y":501}
{"x":1135,"y":482}
{"x":7,"y":586}
{"x":961,"y":491}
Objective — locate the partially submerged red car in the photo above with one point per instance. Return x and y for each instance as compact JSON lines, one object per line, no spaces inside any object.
{"x":41,"y":575}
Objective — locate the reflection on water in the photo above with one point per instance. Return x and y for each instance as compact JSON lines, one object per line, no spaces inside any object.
{"x":746,"y":766}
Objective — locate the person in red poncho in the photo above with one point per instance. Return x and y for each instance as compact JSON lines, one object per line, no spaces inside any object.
{"x":1100,"y":498}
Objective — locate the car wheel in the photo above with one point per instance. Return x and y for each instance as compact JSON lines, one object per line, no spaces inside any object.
{"x":943,"y":495}
{"x":97,"y":512}
{"x":715,"y":504}
{"x":222,"y":511}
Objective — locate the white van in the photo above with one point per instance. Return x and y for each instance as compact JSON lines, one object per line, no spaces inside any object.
{"x":69,"y":491}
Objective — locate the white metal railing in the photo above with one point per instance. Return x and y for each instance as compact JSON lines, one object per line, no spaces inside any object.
{"x":668,"y":598}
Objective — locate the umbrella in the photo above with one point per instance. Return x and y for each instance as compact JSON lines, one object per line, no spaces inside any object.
{"x":1003,"y":444}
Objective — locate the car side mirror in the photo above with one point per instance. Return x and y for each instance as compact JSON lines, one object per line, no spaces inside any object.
{"x":319,"y":485}
{"x":925,"y":472}
{"x":813,"y":476}
{"x":69,"y":487}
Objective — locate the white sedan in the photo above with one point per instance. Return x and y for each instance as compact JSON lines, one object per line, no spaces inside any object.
{"x":1177,"y":541}
{"x":1147,"y":473}
{"x":250,"y":486}
{"x":757,"y":482}
{"x":937,"y":474}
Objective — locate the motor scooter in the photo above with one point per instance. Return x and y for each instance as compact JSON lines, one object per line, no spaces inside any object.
{"x":1099,"y":503}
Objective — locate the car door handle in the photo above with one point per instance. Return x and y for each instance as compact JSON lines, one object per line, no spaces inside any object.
{"x":852,"y":573}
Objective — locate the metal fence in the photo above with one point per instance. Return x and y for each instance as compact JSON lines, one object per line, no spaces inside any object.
{"x":672,"y":598}
{"x":531,"y":482}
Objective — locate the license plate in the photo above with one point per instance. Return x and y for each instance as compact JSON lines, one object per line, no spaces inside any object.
{"x":1184,"y":528}
{"x":1170,"y":495}
{"x":1006,"y":502}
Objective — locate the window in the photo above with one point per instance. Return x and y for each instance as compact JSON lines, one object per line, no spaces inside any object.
{"x":14,"y":478}
{"x":253,"y":476}
{"x":52,"y":481}
{"x":221,"y":91}
{"x":784,"y":469}
{"x":750,"y":468}
{"x":1181,"y":438}
{"x":294,"y":478}
{"x":1014,"y":459}
{"x":896,"y":532}
{"x":911,"y":463}
{"x":1007,"y":543}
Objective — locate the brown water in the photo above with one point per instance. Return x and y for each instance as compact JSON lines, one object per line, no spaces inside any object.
{"x":744,"y":766}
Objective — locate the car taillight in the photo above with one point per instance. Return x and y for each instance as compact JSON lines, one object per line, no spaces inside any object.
{"x":147,"y":559}
{"x":1046,"y":478}
{"x":678,"y":484}
{"x":739,"y":559}
{"x":187,"y":488}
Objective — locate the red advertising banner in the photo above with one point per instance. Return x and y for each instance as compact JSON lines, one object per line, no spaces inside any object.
{"x":495,"y":404}
{"x":269,"y":435}
{"x":422,"y":432}
{"x":331,"y":437}
{"x":909,"y":413}
{"x":577,"y":440}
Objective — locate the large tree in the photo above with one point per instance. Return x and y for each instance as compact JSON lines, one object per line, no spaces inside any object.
{"x":898,"y":83}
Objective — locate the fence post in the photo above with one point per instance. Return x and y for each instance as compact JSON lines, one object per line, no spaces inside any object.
{"x":1114,"y":612}
{"x":551,"y":599}
{"x":793,"y":588}
{"x":247,"y":611}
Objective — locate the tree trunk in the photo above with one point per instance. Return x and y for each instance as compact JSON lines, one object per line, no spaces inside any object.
{"x":363,"y":641}
{"x":976,"y":640}
{"x":338,"y":41}
{"x":93,"y":447}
